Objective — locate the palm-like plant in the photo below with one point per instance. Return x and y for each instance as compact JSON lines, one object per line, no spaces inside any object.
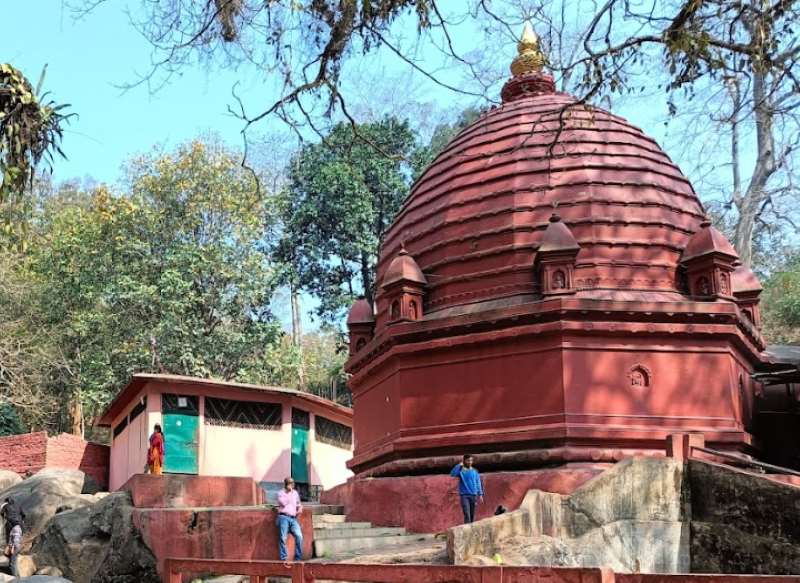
{"x":31,"y":130}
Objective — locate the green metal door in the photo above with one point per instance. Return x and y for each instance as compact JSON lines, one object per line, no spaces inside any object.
{"x":180,"y":443}
{"x":300,"y":426}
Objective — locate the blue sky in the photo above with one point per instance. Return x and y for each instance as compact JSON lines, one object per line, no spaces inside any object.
{"x":89,"y":59}
{"x":86,"y":60}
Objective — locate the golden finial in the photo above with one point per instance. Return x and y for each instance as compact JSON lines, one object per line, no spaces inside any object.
{"x":529,"y":57}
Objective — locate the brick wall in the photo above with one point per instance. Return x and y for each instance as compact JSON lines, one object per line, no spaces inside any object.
{"x":70,"y":451}
{"x":31,"y":452}
{"x":23,"y":453}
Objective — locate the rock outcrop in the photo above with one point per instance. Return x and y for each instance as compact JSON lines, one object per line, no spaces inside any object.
{"x":97,"y":543}
{"x":631,"y":518}
{"x":8,"y":479}
{"x":49,"y":492}
{"x":742,"y":523}
{"x":648,"y":515}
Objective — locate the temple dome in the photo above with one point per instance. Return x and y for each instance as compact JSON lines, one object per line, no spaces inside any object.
{"x":360,"y":312}
{"x":474,"y":220}
{"x":403,"y":268}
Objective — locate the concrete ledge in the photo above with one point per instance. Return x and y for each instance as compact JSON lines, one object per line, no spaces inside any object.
{"x":182,"y":491}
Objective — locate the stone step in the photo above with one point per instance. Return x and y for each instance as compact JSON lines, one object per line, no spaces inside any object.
{"x":332,"y":546}
{"x":317,"y":509}
{"x":336,"y":525}
{"x":328,"y":518}
{"x":330,"y":533}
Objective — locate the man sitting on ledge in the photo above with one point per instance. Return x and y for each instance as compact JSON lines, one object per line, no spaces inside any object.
{"x":289,"y":508}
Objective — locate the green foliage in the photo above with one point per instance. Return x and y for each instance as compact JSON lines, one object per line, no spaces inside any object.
{"x":343,"y":193}
{"x":10,"y":423}
{"x":168,"y":278}
{"x":781,"y":304}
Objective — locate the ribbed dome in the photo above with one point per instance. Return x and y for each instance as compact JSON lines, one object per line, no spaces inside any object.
{"x":474,"y":220}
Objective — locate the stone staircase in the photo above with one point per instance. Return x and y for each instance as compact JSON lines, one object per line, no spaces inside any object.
{"x":335,"y":537}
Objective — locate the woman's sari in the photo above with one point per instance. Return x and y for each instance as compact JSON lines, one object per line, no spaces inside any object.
{"x":155,"y":454}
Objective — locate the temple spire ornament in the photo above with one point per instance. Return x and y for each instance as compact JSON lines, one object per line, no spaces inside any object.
{"x":528,"y":78}
{"x":530,"y":58}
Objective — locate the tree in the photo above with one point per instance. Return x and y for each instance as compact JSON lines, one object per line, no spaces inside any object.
{"x":29,"y":353}
{"x":10,"y":423}
{"x":342,"y":195}
{"x":781,"y":303}
{"x":169,"y":277}
{"x":31,"y":128}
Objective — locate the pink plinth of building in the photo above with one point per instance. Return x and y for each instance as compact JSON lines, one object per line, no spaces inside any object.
{"x":221,"y":533}
{"x":208,"y":517}
{"x":31,"y":452}
{"x":180,"y":491}
{"x":431,"y":504}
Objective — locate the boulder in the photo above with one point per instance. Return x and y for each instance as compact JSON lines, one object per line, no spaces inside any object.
{"x":97,"y":543}
{"x":8,"y":479}
{"x":43,"y":579}
{"x":47,"y":493}
{"x":26,"y":565}
{"x":51,"y":571}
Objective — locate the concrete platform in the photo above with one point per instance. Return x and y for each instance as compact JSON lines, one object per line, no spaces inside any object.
{"x":331,"y":533}
{"x":333,"y":546}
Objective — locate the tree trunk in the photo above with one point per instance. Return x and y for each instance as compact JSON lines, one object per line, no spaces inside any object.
{"x":366,"y":277}
{"x":752,"y":203}
{"x":297,"y":336}
{"x":76,"y":415}
{"x":297,"y":330}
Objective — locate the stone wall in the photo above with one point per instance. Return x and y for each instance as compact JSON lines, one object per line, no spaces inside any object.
{"x":31,"y":452}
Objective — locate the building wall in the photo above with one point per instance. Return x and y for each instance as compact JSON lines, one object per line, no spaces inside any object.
{"x":224,"y":450}
{"x":328,"y":464}
{"x":237,"y":451}
{"x":32,"y":452}
{"x":129,"y":448}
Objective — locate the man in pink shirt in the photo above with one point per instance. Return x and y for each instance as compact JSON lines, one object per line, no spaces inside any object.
{"x":289,"y":508}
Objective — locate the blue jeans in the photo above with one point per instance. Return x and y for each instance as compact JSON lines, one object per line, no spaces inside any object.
{"x":287,"y":524}
{"x":468,"y":507}
{"x":12,"y":562}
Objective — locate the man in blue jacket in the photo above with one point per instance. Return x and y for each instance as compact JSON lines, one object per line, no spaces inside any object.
{"x":470,"y":489}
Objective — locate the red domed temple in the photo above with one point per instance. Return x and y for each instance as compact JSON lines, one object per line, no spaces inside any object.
{"x":551,"y":292}
{"x":550,"y":297}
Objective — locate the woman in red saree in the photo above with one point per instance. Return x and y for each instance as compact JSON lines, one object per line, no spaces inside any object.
{"x":155,"y":453}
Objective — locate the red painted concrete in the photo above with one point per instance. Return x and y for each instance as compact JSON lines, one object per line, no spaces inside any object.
{"x":221,"y":533}
{"x":579,"y":336}
{"x":180,"y":569}
{"x":430,"y":503}
{"x":31,"y":452}
{"x":180,"y":491}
